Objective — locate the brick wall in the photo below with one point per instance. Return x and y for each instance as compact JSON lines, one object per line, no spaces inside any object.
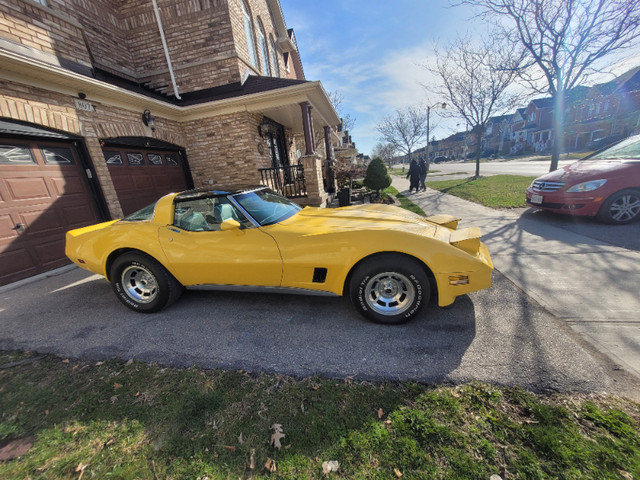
{"x":224,"y":149}
{"x":29,"y":24}
{"x":206,"y":38}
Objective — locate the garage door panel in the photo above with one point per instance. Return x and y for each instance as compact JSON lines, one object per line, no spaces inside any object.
{"x":76,"y":215}
{"x":28,"y":188}
{"x":69,"y":186}
{"x":121,"y":181}
{"x":16,"y":264}
{"x":6,"y":227}
{"x":39,"y":221}
{"x":50,"y":254}
{"x":145,"y":182}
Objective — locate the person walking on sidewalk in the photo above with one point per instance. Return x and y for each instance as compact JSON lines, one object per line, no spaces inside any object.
{"x":414,"y":176}
{"x":423,"y":174}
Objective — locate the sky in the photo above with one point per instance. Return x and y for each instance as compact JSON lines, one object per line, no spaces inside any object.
{"x":373,"y":53}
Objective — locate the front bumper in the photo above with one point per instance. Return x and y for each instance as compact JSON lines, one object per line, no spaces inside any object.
{"x":585,"y":204}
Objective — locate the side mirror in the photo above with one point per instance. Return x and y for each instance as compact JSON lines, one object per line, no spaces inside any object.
{"x":230,"y":224}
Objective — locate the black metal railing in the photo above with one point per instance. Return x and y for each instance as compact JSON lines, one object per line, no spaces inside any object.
{"x":288,"y":181}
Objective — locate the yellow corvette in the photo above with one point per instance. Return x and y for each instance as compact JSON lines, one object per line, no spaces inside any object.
{"x":388,"y":260}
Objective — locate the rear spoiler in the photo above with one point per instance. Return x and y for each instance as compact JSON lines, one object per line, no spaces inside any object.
{"x":448,"y":221}
{"x":467,"y":239}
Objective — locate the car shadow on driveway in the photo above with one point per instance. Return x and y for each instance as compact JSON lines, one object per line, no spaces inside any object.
{"x":495,"y":335}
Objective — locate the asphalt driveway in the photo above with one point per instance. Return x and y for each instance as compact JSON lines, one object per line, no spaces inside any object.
{"x":498,"y":335}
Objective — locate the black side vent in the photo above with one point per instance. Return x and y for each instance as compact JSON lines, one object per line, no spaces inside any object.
{"x":319,"y":275}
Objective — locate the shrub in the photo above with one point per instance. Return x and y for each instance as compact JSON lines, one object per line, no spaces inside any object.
{"x":377,"y":178}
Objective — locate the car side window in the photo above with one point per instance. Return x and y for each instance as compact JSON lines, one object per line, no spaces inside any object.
{"x":206,"y":214}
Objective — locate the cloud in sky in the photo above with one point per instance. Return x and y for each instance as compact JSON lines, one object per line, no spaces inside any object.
{"x":372,"y":53}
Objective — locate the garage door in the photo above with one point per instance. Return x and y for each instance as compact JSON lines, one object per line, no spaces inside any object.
{"x":43,"y":193}
{"x":141,"y":176}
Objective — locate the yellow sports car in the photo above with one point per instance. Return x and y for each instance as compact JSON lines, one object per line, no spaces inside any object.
{"x":388,"y":260}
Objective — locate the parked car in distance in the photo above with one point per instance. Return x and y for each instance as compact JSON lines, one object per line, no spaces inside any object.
{"x":388,"y":260}
{"x":605,"y":184}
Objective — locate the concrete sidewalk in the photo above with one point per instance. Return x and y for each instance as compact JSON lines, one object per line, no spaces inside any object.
{"x":592,"y":285}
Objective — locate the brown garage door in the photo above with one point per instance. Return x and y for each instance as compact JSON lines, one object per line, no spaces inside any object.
{"x":43,"y":193}
{"x":141,"y":176}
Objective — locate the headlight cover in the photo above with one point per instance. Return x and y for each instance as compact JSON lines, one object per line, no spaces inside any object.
{"x":587,"y":186}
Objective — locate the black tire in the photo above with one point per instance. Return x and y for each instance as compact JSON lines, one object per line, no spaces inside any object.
{"x":389,"y":289}
{"x":143,"y":284}
{"x":620,"y":208}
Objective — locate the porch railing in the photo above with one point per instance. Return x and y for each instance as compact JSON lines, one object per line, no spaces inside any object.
{"x":288,"y":181}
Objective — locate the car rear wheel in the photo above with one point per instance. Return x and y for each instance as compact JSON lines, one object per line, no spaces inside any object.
{"x":142,"y":284}
{"x":389,"y":289}
{"x":621,"y":207}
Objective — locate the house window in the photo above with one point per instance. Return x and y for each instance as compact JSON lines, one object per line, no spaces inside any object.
{"x":248,"y":31}
{"x":264,"y":51}
{"x":41,"y":2}
{"x":274,"y":59}
{"x":532,"y":116}
{"x":606,"y":106}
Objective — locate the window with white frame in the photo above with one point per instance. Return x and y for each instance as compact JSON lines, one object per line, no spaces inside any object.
{"x":264,"y":51}
{"x":274,"y":57}
{"x":248,"y":31}
{"x":41,"y":2}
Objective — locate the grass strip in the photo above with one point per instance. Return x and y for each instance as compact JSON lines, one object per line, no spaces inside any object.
{"x":498,"y":191}
{"x":404,"y":201}
{"x":138,"y":421}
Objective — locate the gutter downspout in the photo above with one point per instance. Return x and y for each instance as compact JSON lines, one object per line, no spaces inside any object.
{"x":156,"y":10}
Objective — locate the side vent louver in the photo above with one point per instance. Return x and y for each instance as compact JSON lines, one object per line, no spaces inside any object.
{"x":319,"y":275}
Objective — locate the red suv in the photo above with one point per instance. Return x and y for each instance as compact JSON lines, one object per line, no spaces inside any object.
{"x":605,"y":185}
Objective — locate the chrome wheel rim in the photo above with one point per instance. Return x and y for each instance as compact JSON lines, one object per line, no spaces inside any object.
{"x":625,"y":208}
{"x":389,"y":293}
{"x":139,"y":283}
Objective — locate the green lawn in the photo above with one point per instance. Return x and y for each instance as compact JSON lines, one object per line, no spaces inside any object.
{"x":138,"y":421}
{"x":498,"y":191}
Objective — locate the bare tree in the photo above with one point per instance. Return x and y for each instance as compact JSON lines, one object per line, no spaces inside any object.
{"x":348,"y":121}
{"x":565,"y":41}
{"x":385,"y":151}
{"x":474,"y":80}
{"x":404,"y":129}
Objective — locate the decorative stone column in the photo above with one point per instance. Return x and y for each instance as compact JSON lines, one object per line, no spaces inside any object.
{"x":316,"y":196}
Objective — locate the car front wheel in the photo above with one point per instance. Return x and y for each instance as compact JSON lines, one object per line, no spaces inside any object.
{"x":621,"y":207}
{"x":142,"y":284}
{"x":389,"y":289}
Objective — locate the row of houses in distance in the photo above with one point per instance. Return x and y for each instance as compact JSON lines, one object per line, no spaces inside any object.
{"x":595,"y":116}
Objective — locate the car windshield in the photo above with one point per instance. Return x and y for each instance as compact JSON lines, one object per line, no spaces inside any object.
{"x":142,"y":215}
{"x":629,"y":148}
{"x":267,"y":207}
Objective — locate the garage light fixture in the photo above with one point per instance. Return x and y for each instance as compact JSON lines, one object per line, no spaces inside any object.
{"x":148,"y":120}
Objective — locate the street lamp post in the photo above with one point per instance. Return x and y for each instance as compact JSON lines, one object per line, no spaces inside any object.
{"x":426,"y":150}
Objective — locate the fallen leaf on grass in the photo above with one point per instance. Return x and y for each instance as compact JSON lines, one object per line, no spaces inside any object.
{"x":380,"y":413}
{"x":330,"y":466}
{"x":252,"y":459}
{"x":10,"y":449}
{"x":397,"y":472}
{"x":277,"y":435}
{"x":117,"y":386}
{"x":270,"y":465}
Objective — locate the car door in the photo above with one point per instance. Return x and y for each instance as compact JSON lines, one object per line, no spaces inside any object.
{"x":200,"y":253}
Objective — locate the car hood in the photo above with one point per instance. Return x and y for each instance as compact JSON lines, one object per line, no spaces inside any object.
{"x":586,"y":170}
{"x":361,"y":217}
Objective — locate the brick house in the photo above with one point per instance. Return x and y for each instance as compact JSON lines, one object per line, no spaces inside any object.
{"x":605,"y":112}
{"x":105,"y":105}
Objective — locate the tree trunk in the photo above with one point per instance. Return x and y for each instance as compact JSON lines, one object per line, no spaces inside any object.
{"x":558,"y":129}
{"x":478,"y":153}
